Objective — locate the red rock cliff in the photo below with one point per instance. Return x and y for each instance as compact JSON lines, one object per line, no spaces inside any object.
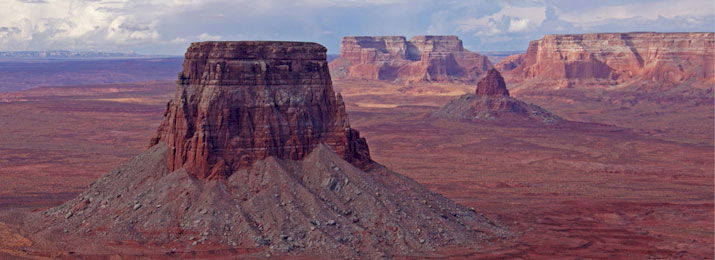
{"x":422,"y":58}
{"x":619,"y":59}
{"x":238,"y":102}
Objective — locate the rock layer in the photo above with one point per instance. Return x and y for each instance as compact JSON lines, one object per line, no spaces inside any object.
{"x":238,"y":102}
{"x":422,"y":58}
{"x":510,"y":62}
{"x":491,"y":101}
{"x":646,"y":60}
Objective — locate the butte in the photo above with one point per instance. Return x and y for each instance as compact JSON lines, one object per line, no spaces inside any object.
{"x":491,"y":102}
{"x":256,"y":157}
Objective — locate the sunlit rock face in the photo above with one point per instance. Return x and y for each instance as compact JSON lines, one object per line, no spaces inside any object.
{"x":394,"y":58}
{"x":646,"y":60}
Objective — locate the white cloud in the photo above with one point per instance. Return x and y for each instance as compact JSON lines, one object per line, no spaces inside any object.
{"x":179,"y":40}
{"x":208,"y":37}
{"x":87,"y":24}
{"x":166,"y":26}
{"x":650,"y":10}
{"x":518,"y":24}
{"x":508,"y":19}
{"x":115,"y":24}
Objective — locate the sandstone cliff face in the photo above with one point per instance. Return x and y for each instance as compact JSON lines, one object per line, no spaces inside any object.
{"x":238,"y":102}
{"x":491,"y":101}
{"x":652,"y":60}
{"x":509,"y":63}
{"x":394,"y":58}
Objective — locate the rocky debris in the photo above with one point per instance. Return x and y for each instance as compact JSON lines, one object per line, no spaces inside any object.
{"x":647,"y":60}
{"x":491,"y":101}
{"x":293,"y":198}
{"x":239,"y":102}
{"x":394,"y":58}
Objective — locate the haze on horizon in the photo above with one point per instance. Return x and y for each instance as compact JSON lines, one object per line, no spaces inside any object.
{"x":168,"y":26}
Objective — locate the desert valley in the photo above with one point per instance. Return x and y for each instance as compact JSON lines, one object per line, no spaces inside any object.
{"x":577,"y":146}
{"x":614,"y":161}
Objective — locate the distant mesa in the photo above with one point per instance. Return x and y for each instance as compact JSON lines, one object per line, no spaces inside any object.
{"x":510,"y":62}
{"x":421,"y":59}
{"x":491,"y":101}
{"x":256,"y":155}
{"x":643,"y":60}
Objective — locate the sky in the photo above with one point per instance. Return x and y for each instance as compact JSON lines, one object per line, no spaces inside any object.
{"x":168,"y":26}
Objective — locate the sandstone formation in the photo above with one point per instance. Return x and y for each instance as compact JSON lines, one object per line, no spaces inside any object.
{"x":238,"y":102}
{"x":510,"y":62}
{"x":422,"y":58}
{"x":647,"y":60}
{"x":491,"y":101}
{"x":492,"y":85}
{"x":255,"y":156}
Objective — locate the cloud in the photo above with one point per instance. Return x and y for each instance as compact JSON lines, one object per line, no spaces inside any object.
{"x":167,"y":26}
{"x":650,"y":10}
{"x":509,"y":19}
{"x":208,"y":37}
{"x":518,"y":24}
{"x":179,"y":40}
{"x":33,"y":1}
{"x":514,"y":23}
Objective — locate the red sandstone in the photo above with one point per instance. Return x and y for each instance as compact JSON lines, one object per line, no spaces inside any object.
{"x":239,"y":102}
{"x":660,"y":60}
{"x":422,"y":58}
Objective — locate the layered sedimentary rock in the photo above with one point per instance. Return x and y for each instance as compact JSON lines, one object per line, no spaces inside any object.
{"x":394,"y":58}
{"x":256,"y":157}
{"x":510,"y":62}
{"x":238,"y":102}
{"x":491,"y":101}
{"x":646,"y":60}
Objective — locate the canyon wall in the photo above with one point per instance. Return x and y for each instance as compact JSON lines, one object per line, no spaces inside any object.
{"x":645,"y":60}
{"x":394,"y":58}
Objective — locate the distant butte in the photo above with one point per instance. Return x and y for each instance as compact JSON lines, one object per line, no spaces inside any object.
{"x":492,"y":85}
{"x":421,"y":59}
{"x":256,"y":158}
{"x":491,"y":101}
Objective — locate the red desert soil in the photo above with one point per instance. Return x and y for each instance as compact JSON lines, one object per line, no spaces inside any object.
{"x":571,"y":190}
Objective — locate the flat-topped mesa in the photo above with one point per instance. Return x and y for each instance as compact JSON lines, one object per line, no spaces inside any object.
{"x":642,"y":59}
{"x":238,"y":102}
{"x":366,"y":49}
{"x":437,"y":43}
{"x":422,"y":58}
{"x":492,"y":85}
